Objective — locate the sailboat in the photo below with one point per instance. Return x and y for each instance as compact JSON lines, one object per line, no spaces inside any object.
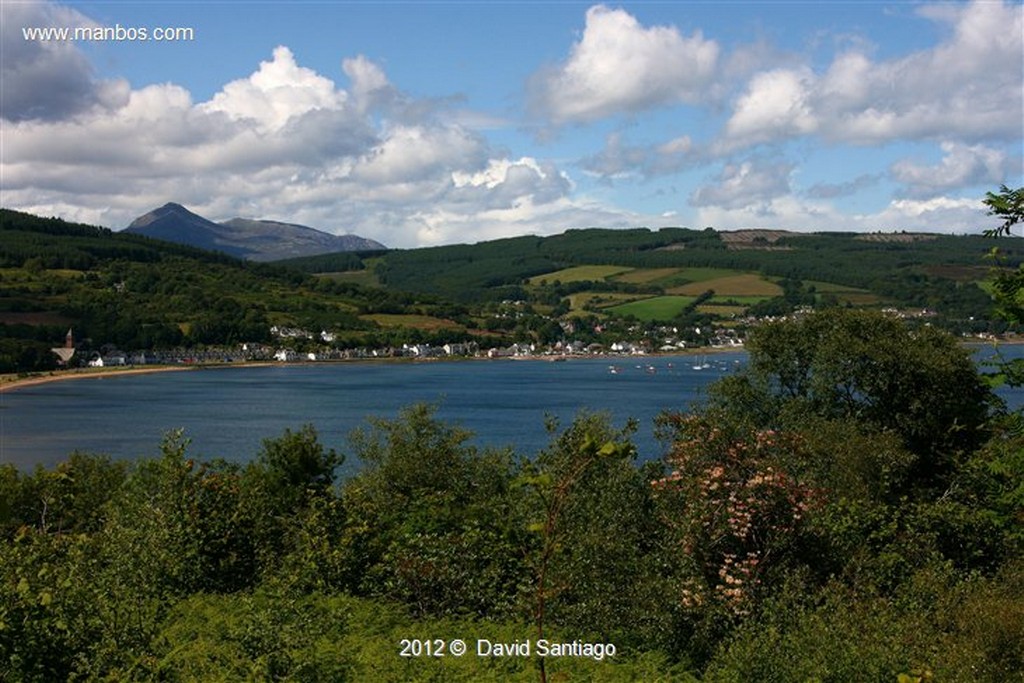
{"x":703,"y":364}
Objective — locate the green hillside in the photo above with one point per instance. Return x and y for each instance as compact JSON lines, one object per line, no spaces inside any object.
{"x":137,"y":293}
{"x":944,"y":273}
{"x":593,"y":285}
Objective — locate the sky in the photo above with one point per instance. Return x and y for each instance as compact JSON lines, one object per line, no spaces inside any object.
{"x":426,"y":123}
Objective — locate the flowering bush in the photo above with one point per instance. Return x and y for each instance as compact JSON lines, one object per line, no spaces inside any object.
{"x":735,"y":510}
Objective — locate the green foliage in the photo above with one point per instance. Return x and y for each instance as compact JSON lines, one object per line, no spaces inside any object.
{"x":940,"y":628}
{"x":71,"y":498}
{"x":870,"y":368}
{"x":598,"y":551}
{"x":431,"y":521}
{"x":849,"y":507}
{"x":1008,"y":205}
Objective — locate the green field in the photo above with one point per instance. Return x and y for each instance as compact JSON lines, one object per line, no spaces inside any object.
{"x":645,"y":276}
{"x":580,"y":274}
{"x":655,"y":308}
{"x":729,"y":299}
{"x":733,"y":286}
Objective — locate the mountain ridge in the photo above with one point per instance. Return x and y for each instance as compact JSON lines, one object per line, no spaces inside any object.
{"x":245,"y":238}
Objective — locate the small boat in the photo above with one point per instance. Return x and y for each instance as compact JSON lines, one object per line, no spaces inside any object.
{"x":703,"y":364}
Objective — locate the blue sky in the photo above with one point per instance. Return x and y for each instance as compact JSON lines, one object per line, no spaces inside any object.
{"x":441,"y":122}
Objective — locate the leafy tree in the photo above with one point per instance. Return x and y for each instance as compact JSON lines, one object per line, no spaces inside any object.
{"x":292,"y":476}
{"x":598,"y":552}
{"x":870,"y":368}
{"x":431,"y":519}
{"x":1008,"y":205}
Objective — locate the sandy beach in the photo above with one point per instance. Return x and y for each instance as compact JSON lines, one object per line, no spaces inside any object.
{"x":13,"y":382}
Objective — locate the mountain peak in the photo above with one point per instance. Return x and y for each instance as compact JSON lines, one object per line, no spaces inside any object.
{"x":257,"y":240}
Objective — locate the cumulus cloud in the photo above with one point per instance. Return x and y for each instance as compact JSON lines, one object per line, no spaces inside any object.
{"x":751,"y":183}
{"x":970,"y":86}
{"x":48,"y":80}
{"x":620,"y":66}
{"x":507,"y":183}
{"x":833,"y":190}
{"x":776,"y":105}
{"x":619,"y":159}
{"x":962,"y":165}
{"x":289,"y":143}
{"x":360,"y":155}
{"x":939,"y":214}
{"x":279,"y":90}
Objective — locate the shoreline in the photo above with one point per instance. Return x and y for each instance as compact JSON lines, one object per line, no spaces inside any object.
{"x":13,"y":382}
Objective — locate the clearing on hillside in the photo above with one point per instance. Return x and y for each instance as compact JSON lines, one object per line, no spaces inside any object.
{"x":419,"y":322}
{"x":580,"y":274}
{"x":653,"y":309}
{"x":732,"y":286}
{"x":644,"y":276}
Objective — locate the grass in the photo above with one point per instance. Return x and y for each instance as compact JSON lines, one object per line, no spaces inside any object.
{"x":721,"y":310}
{"x":580,"y":299}
{"x":580,"y":274}
{"x":831,"y":287}
{"x":741,"y":300}
{"x":859,"y":298}
{"x":644,"y":276}
{"x":654,"y":308}
{"x":731,"y":287}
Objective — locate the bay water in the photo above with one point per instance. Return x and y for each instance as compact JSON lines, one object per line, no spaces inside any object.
{"x":228,"y":412}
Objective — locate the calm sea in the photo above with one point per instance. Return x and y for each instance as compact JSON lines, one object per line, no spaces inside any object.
{"x":227,"y":412}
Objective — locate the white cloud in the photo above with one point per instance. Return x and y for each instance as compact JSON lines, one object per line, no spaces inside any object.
{"x":370,"y":85}
{"x":411,"y":153}
{"x":938,"y":214}
{"x":619,"y":66}
{"x":287,"y":143}
{"x":775,"y":106}
{"x":278,"y":91}
{"x":751,"y":183}
{"x":968,"y":87}
{"x":619,"y":159}
{"x":962,"y":165}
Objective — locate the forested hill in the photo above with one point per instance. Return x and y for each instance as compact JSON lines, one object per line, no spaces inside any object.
{"x":864,"y":261}
{"x":591,"y":286}
{"x":134,"y":292}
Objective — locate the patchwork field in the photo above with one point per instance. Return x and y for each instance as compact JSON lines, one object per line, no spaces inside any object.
{"x":599,"y":299}
{"x":731,"y":286}
{"x":579,"y":274}
{"x":724,"y":310}
{"x":645,"y":276}
{"x":654,"y":308}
